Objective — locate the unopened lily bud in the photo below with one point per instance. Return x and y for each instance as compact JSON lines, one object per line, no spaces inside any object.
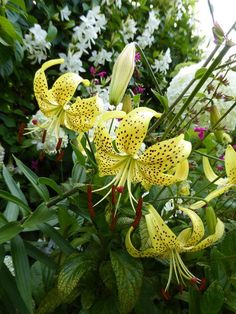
{"x":215,"y":117}
{"x":184,"y":188}
{"x":227,"y":138}
{"x":127,"y":104}
{"x":218,"y":33}
{"x":122,"y":72}
{"x":210,"y":219}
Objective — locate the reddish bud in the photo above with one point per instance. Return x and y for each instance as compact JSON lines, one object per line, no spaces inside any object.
{"x":35,"y":122}
{"x":113,"y":221}
{"x":59,"y":144}
{"x":113,"y":195}
{"x":60,"y":156}
{"x":203,"y":284}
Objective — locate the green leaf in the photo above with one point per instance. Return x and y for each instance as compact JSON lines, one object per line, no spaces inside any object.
{"x":38,"y":255}
{"x":33,"y":178}
{"x":80,"y":157}
{"x":52,"y":32}
{"x":63,"y":244}
{"x":7,"y":196}
{"x":212,"y":299}
{"x":73,"y":270}
{"x":11,"y":290}
{"x":200,"y":72}
{"x":78,"y":173}
{"x":163,"y":100}
{"x":18,"y":51}
{"x":129,"y":273}
{"x":14,"y":189}
{"x":40,"y":215}
{"x":11,"y":212}
{"x":20,"y":3}
{"x":8,"y":28}
{"x":9,"y":231}
{"x":51,"y":183}
{"x":22,"y":271}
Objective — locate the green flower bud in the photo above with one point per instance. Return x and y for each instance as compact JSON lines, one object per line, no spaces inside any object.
{"x":122,"y":72}
{"x":210,"y":219}
{"x":127,"y":104}
{"x":215,"y":117}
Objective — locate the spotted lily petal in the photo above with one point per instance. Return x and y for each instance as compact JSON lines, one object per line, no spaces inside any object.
{"x":81,"y":115}
{"x":133,"y":129}
{"x":230,"y":164}
{"x":209,"y":173}
{"x":219,"y":231}
{"x":197,"y":227}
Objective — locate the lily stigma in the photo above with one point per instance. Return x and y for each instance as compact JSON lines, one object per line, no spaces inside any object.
{"x":223,"y":184}
{"x":58,"y":104}
{"x":163,"y":163}
{"x":166,"y":245}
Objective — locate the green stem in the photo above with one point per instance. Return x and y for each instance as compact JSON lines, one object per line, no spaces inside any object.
{"x":59,"y":198}
{"x":153,"y":77}
{"x":206,"y":155}
{"x":90,"y":146}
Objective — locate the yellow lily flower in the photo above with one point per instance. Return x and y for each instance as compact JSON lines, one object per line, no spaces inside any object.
{"x":223,"y":184}
{"x":166,"y":245}
{"x":56,"y":103}
{"x":163,"y":163}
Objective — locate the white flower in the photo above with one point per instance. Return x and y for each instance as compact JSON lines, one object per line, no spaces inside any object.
{"x":182,"y":79}
{"x":100,"y":57}
{"x":2,"y":154}
{"x":118,"y":3}
{"x":65,"y":13}
{"x":129,"y":29}
{"x":50,"y":143}
{"x":72,"y":62}
{"x":36,"y":44}
{"x":163,"y":64}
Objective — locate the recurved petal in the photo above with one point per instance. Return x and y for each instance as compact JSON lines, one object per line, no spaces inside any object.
{"x":81,"y":115}
{"x":109,"y":163}
{"x":230,"y":164}
{"x":133,"y":128}
{"x":209,"y":173}
{"x":150,"y":252}
{"x":162,"y":238}
{"x":197,"y":227}
{"x":65,"y":86}
{"x":167,"y":154}
{"x":211,"y":196}
{"x":219,"y":231}
{"x":41,"y":86}
{"x":152,"y":174}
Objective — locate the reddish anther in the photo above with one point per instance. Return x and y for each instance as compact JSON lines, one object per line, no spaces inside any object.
{"x":44,"y":136}
{"x":90,"y":202}
{"x":165,"y":294}
{"x":59,"y":143}
{"x":194,"y":280}
{"x":203,"y":284}
{"x":138,"y":213}
{"x":113,"y":195}
{"x":120,"y":189}
{"x":60,"y":156}
{"x":35,"y":122}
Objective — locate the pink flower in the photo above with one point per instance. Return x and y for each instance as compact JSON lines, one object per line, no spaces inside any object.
{"x":92,"y":71}
{"x":102,"y":74}
{"x":137,"y":56}
{"x":200,"y":132}
{"x":138,"y":89}
{"x":220,"y":168}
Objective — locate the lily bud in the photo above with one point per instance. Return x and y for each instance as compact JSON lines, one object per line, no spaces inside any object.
{"x":122,"y":72}
{"x":218,"y":33}
{"x":184,"y":188}
{"x":127,"y":105}
{"x":210,"y":219}
{"x":215,"y":117}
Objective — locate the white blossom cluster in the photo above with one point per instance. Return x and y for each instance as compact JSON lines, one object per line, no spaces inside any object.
{"x":100,"y":57}
{"x":182,"y":79}
{"x":36,"y":44}
{"x":163,"y":63}
{"x":152,"y":25}
{"x":129,"y":29}
{"x":50,"y":143}
{"x":84,"y":36}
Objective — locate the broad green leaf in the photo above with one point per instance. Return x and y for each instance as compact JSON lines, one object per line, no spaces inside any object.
{"x":38,"y":255}
{"x":78,"y":173}
{"x":80,"y":157}
{"x":163,"y":99}
{"x":11,"y":290}
{"x":51,"y":183}
{"x":213,"y":299}
{"x":200,"y":72}
{"x":9,"y":231}
{"x":20,"y":3}
{"x":11,"y":212}
{"x":7,"y":27}
{"x":63,"y":244}
{"x":52,"y":32}
{"x":73,"y":270}
{"x":14,"y":188}
{"x":40,"y":215}
{"x":87,"y":298}
{"x":107,"y":275}
{"x":129,"y":274}
{"x":33,"y":178}
{"x":22,"y":271}
{"x":7,"y":196}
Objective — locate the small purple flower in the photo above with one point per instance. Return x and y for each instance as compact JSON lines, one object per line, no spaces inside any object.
{"x":138,"y":89}
{"x":92,"y":71}
{"x":220,"y":168}
{"x":200,"y":131}
{"x":35,"y":165}
{"x":234,"y":146}
{"x":137,"y":56}
{"x":222,"y":157}
{"x":102,"y":74}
